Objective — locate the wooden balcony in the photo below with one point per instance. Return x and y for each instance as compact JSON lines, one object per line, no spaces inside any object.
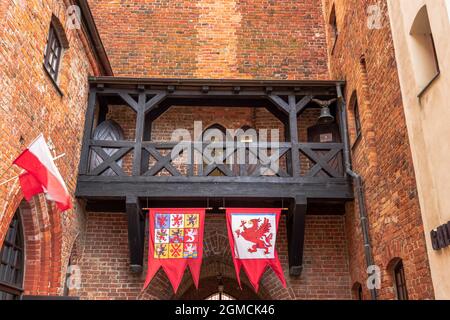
{"x":129,"y":171}
{"x":150,"y":98}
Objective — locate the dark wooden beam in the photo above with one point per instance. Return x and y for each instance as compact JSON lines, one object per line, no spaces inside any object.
{"x":88,"y":125}
{"x":103,"y":109}
{"x":140,"y":126}
{"x":277,"y":113}
{"x":136,"y":233}
{"x":154,"y":102}
{"x":296,"y":85}
{"x":296,"y":234}
{"x":109,"y":161}
{"x":278,"y":101}
{"x":293,"y":134}
{"x":240,"y":187}
{"x":148,"y":125}
{"x":301,"y":105}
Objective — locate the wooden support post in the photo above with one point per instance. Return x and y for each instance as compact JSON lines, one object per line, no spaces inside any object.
{"x":88,"y":126}
{"x":136,"y":234}
{"x":140,"y":123}
{"x":293,"y":133}
{"x":103,"y":109}
{"x":147,"y":137}
{"x":287,"y":137}
{"x":296,"y":234}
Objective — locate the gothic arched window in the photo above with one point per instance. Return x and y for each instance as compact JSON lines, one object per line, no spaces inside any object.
{"x":12,"y":261}
{"x":423,"y":50}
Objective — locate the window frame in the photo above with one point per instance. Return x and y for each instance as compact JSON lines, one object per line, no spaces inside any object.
{"x":220,"y":296}
{"x":421,"y":34}
{"x":356,"y":119}
{"x":332,"y":22}
{"x":357,"y":115}
{"x":438,"y":68}
{"x":357,"y":291}
{"x":14,"y":285}
{"x":400,"y":281}
{"x":51,"y":54}
{"x":55,"y":32}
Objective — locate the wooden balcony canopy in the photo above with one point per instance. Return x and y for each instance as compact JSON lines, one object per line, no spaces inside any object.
{"x":150,"y":98}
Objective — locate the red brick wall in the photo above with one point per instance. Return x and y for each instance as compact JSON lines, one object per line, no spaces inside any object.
{"x":214,"y":39}
{"x":30,"y":105}
{"x":211,"y":39}
{"x":382,"y":155}
{"x":105,"y":268}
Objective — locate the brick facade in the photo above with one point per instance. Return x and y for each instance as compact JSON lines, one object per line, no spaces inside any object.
{"x":105,"y":270}
{"x":30,"y":104}
{"x":262,"y":39}
{"x":365,"y":58}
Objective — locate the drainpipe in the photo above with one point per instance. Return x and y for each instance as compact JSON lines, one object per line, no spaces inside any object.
{"x":359,"y":184}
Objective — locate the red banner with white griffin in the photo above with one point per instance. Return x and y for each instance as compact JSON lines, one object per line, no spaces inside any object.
{"x":175,"y":242}
{"x":252,"y":234}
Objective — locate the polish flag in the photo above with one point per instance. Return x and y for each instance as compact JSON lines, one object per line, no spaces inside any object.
{"x":42,"y":175}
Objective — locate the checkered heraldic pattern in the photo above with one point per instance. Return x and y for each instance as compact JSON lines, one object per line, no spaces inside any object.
{"x":176,"y":235}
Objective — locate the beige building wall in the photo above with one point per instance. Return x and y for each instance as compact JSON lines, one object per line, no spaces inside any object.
{"x":427,"y":110}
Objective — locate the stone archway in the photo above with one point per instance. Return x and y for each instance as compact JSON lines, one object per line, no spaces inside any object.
{"x":217,"y":259}
{"x":42,"y":232}
{"x":43,"y":243}
{"x":209,"y":284}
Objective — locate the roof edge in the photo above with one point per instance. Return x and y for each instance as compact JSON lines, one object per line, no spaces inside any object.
{"x":94,"y":37}
{"x":215,"y":82}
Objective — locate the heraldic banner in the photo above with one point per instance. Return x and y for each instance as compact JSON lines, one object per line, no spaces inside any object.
{"x":175,"y":241}
{"x":253,"y":234}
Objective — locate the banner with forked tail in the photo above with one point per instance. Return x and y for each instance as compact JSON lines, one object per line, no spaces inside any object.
{"x":253,"y":234}
{"x":175,"y":241}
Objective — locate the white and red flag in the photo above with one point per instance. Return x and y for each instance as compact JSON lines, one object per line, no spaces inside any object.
{"x":253,"y":234}
{"x":175,"y":242}
{"x":41,"y":174}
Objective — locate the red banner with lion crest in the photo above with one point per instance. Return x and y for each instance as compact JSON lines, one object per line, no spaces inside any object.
{"x":252,"y":234}
{"x":175,"y":242}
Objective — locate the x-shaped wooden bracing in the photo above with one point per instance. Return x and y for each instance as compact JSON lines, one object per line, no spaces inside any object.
{"x":272,"y":158}
{"x":257,"y":171}
{"x":299,"y":106}
{"x":109,"y":161}
{"x":162,"y":162}
{"x":321,"y":162}
{"x":148,"y":106}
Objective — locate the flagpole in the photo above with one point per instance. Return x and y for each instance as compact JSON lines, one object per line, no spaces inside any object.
{"x":15,"y":177}
{"x":6,"y":171}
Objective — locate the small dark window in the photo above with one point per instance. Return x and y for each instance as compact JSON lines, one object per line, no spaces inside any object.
{"x":360,"y":293}
{"x":333,"y":27}
{"x":357,"y":118}
{"x":53,"y":53}
{"x":12,"y":262}
{"x":66,"y":290}
{"x":357,"y":291}
{"x":400,"y":282}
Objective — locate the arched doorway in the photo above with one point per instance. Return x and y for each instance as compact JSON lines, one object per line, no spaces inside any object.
{"x":30,"y":256}
{"x":219,"y":288}
{"x":12,"y":261}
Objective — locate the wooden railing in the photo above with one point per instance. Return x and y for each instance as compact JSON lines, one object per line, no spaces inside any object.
{"x":195,"y":159}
